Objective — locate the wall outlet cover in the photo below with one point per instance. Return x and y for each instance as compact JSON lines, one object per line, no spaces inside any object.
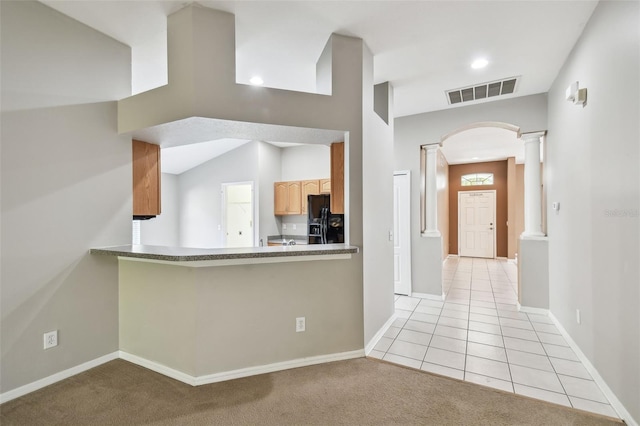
{"x":51,"y":339}
{"x":300,"y":324}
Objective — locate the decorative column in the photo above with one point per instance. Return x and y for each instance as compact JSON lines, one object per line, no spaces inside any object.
{"x":431,"y":191}
{"x":532,"y":185}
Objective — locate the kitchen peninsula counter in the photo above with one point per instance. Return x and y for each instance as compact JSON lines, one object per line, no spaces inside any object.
{"x":206,"y":315}
{"x":196,"y":257}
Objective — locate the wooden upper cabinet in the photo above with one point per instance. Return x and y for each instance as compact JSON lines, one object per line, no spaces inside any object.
{"x":309,"y":187}
{"x":146,"y":179}
{"x":286,"y":198}
{"x":325,"y":186}
{"x":295,"y":194}
{"x":281,"y":198}
{"x":337,"y":178}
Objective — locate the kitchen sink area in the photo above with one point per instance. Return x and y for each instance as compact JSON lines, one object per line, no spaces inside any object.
{"x":287,"y":240}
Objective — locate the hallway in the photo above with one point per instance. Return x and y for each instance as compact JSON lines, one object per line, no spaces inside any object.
{"x":478,"y":335}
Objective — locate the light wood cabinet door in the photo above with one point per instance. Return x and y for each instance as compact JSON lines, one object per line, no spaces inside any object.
{"x":295,"y":194}
{"x":325,"y":186}
{"x":281,"y":197}
{"x":337,"y":178}
{"x":309,"y":187}
{"x":146,"y":178}
{"x":286,"y":198}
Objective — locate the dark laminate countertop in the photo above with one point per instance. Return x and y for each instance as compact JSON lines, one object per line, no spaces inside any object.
{"x":183,"y":254}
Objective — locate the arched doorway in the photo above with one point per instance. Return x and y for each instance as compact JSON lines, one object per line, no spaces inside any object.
{"x":478,"y":153}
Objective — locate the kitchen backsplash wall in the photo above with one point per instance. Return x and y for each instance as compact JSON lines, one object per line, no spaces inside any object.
{"x":299,"y":222}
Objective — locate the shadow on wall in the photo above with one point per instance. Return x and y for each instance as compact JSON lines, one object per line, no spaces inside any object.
{"x":86,"y":292}
{"x":66,"y":187}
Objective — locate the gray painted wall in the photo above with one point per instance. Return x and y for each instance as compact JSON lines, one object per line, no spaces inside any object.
{"x":533,"y":272}
{"x":203,"y":210}
{"x":230,"y":317}
{"x":200,"y":195}
{"x":163,"y":230}
{"x":528,"y":112}
{"x":306,"y":162}
{"x":592,"y":170}
{"x":270,"y":163}
{"x":209,"y":65}
{"x":66,"y":187}
{"x":378,"y":210}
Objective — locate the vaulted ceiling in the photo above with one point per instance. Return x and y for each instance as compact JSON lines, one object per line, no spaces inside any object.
{"x":423,"y":48}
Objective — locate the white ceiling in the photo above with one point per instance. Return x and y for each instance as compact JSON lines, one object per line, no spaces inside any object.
{"x":423,"y":48}
{"x":179,"y":159}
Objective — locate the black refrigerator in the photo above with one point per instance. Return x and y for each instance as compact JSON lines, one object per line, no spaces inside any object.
{"x":323,"y":226}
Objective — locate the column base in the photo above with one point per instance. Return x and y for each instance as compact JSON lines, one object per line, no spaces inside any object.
{"x":533,"y":236}
{"x":432,"y":234}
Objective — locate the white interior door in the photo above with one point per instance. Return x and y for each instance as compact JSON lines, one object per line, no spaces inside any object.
{"x":238,"y":212}
{"x":476,"y":223}
{"x":401,"y":233}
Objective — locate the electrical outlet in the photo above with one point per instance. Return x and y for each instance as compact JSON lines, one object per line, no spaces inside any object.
{"x":300,"y":324}
{"x":578,"y":319}
{"x":51,"y":339}
{"x":294,"y":226}
{"x":284,"y":226}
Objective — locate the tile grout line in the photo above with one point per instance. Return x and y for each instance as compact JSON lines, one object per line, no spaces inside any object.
{"x":506,"y":354}
{"x":498,"y":317}
{"x":553,"y":367}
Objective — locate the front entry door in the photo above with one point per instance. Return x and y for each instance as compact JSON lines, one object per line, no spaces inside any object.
{"x":476,"y":223}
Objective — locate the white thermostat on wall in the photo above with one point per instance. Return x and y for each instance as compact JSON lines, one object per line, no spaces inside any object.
{"x":572,"y":90}
{"x":555,"y":205}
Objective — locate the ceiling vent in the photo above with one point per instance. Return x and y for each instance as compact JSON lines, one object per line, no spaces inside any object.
{"x":482,"y":91}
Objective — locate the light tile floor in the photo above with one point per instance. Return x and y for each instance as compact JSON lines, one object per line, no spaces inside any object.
{"x":478,"y":335}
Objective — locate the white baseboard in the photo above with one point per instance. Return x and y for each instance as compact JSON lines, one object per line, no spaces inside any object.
{"x":39,"y":384}
{"x":375,"y":339}
{"x":243,"y":372}
{"x":278,"y":366}
{"x":159,"y":368}
{"x":428,"y":296}
{"x":178,"y":375}
{"x":530,"y":310}
{"x":615,"y":402}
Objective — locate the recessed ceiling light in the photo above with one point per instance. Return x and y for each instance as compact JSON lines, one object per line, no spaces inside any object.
{"x":479,"y":63}
{"x":475,"y":158}
{"x":256,"y":80}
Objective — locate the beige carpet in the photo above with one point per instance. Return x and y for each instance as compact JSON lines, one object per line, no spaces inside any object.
{"x":355,"y":392}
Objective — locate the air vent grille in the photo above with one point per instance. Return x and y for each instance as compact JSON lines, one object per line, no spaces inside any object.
{"x":482,"y":91}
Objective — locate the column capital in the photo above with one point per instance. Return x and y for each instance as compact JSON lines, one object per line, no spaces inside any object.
{"x":431,"y":146}
{"x":533,"y":136}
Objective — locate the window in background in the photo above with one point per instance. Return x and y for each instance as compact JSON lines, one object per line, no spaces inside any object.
{"x":477,"y":179}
